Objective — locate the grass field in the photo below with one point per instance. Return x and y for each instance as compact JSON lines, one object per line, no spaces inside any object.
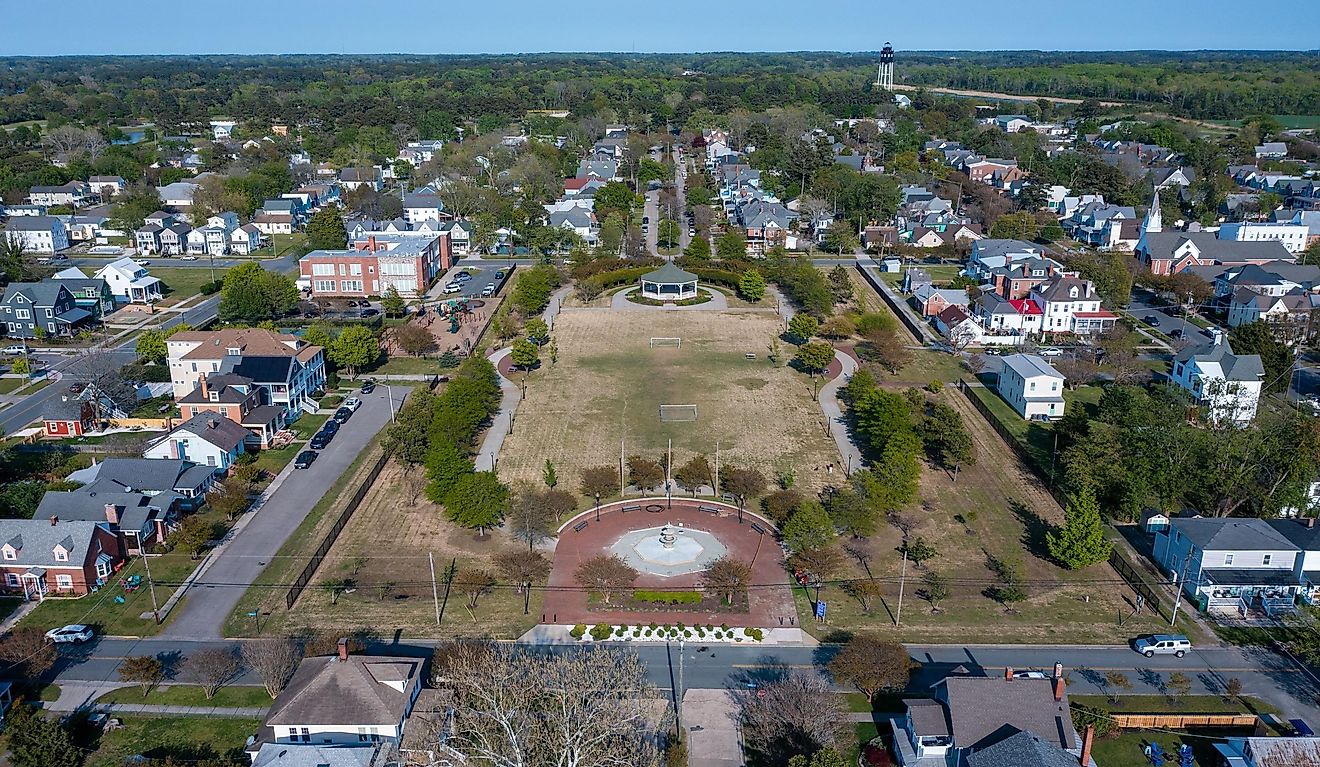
{"x":247,"y":696}
{"x":182,"y":282}
{"x":608,"y":386}
{"x":183,"y":738}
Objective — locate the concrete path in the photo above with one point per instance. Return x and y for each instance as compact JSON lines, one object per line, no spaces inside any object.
{"x":556,"y":303}
{"x":147,"y":708}
{"x":502,"y":423}
{"x":217,"y":591}
{"x":833,"y":410}
{"x":718,"y":302}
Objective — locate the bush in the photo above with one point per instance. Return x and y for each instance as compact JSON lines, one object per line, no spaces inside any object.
{"x":653,"y":625}
{"x":601,"y":631}
{"x":668,"y":597}
{"x":448,"y":360}
{"x":687,"y":633}
{"x":935,"y":387}
{"x":719,"y":634}
{"x":210,"y":288}
{"x":681,"y":627}
{"x":755,"y":634}
{"x":578,"y":631}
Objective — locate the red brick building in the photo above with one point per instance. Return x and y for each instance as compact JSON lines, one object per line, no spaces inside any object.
{"x":408,"y":261}
{"x":50,"y":557}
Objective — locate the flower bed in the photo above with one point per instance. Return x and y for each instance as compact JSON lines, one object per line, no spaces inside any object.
{"x":666,"y":632}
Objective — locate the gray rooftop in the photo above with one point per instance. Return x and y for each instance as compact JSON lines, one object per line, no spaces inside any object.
{"x":1022,"y":749}
{"x":1030,"y":366}
{"x":1161,"y":245}
{"x":982,"y":707}
{"x":311,"y":755}
{"x":1245,"y":367}
{"x":36,"y":540}
{"x":364,"y":690}
{"x":1232,"y":534}
{"x":31,"y":223}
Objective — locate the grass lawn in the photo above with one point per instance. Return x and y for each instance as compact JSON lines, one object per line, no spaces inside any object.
{"x":1037,"y":438}
{"x":181,"y":737}
{"x":246,"y":696}
{"x":9,"y":385}
{"x":866,"y":732}
{"x":182,"y":282}
{"x":402,"y":366}
{"x":939,"y":273}
{"x":1125,"y":749}
{"x":99,"y":609}
{"x":48,"y":693}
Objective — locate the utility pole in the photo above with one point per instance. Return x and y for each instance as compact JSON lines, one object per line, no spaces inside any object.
{"x":716,"y":489}
{"x":151,"y":586}
{"x":621,"y":485}
{"x":902,"y":579}
{"x":1177,"y":600}
{"x":435,"y":592}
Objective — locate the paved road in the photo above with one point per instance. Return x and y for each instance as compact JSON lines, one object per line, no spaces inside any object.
{"x":1263,"y":674}
{"x":651,"y":212}
{"x":206,"y":605}
{"x":281,"y":264}
{"x":680,"y":187}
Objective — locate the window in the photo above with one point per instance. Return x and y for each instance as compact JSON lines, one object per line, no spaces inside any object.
{"x":352,"y":286}
{"x":1266,"y":559}
{"x":343,"y":269}
{"x":10,"y":553}
{"x":102,"y":567}
{"x":1228,"y":559}
{"x":48,"y":314}
{"x":11,"y":579}
{"x":50,"y":326}
{"x":306,"y":734}
{"x":61,"y":555}
{"x":23,"y":314}
{"x":355,"y":270}
{"x":322,"y":270}
{"x":64,"y":581}
{"x":210,"y":460}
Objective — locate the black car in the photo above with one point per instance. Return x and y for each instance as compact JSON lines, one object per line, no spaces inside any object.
{"x":1153,"y":320}
{"x":370,"y":312}
{"x":368,"y":386}
{"x":321,"y":440}
{"x":342,"y":415}
{"x":330,"y":426}
{"x":304,"y":459}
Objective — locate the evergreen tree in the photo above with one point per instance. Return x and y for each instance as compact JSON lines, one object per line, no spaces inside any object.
{"x":477,"y":500}
{"x":808,"y":527}
{"x":445,"y":466}
{"x":392,"y":303}
{"x":751,"y":287}
{"x":698,"y":249}
{"x":38,"y":741}
{"x":325,"y":230}
{"x":1081,"y":541}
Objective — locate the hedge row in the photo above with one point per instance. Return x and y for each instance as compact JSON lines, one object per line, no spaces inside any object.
{"x":668,"y":597}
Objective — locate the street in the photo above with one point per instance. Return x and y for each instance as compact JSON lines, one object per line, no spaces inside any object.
{"x":237,"y":565}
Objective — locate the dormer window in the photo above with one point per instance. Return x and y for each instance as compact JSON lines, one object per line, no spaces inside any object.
{"x":61,"y":555}
{"x":233,"y":351}
{"x":10,"y":553}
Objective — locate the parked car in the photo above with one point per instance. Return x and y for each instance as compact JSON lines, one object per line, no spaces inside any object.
{"x":342,"y":415}
{"x":1153,"y":320}
{"x":369,"y":312}
{"x":1051,"y":351}
{"x":74,"y":633}
{"x":1151,"y":645}
{"x":304,"y":459}
{"x":15,"y":349}
{"x":321,"y":440}
{"x":499,"y":275}
{"x":488,"y":291}
{"x":187,"y":258}
{"x":330,"y":427}
{"x":454,"y":287}
{"x":352,"y":403}
{"x":368,"y":386}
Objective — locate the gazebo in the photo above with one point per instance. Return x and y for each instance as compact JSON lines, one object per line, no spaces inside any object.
{"x":669,"y":283}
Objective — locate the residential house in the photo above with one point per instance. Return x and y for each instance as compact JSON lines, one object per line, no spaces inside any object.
{"x":46,"y":308}
{"x":1226,"y":384}
{"x":106,"y":187}
{"x":605,"y":170}
{"x":352,"y":178}
{"x":981,"y":721}
{"x":931,"y":300}
{"x":54,"y":557}
{"x":222,"y":130}
{"x":22,"y":210}
{"x":415,"y":153}
{"x":1032,"y":386}
{"x":1103,"y":226}
{"x":129,"y":282}
{"x":72,"y":194}
{"x":1305,"y":535}
{"x":137,"y":519}
{"x":193,"y":353}
{"x":1017,"y":279}
{"x":38,"y":234}
{"x":1230,"y":563}
{"x":957,"y":325}
{"x":1290,"y":315}
{"x":311,"y":755}
{"x":1071,"y":305}
{"x":873,"y":237}
{"x":1294,"y":237}
{"x":174,"y":239}
{"x":1271,"y":150}
{"x":460,"y":235}
{"x":344,"y":699}
{"x":178,"y":195}
{"x":990,"y":254}
{"x":239,"y":399}
{"x":147,"y":239}
{"x":89,"y":293}
{"x":766,"y":224}
{"x":188,"y":481}
{"x":274,"y":223}
{"x":423,"y":205}
{"x":246,"y":239}
{"x":207,"y":439}
{"x":68,"y":417}
{"x":580,"y":221}
{"x":1007,"y":317}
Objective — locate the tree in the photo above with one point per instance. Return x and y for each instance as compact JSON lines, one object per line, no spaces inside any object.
{"x":213,"y":667}
{"x":273,"y":660}
{"x":606,"y":576}
{"x":668,"y":234}
{"x":808,"y":527}
{"x":698,"y":249}
{"x":36,"y":740}
{"x":872,"y":665}
{"x":803,"y":327}
{"x":694,"y":474}
{"x":229,"y":498}
{"x":534,"y":513}
{"x":865,"y":591}
{"x":1277,"y":359}
{"x":1080,"y":542}
{"x":474,"y":582}
{"x":1116,"y":682}
{"x":798,"y":713}
{"x":392,"y":304}
{"x":743,"y":483}
{"x":841,"y":238}
{"x":325,"y":230}
{"x":598,"y":481}
{"x":414,"y":339}
{"x":946,"y":438}
{"x":731,"y":245}
{"x":1015,"y":226}
{"x":1233,"y":688}
{"x":537,"y":331}
{"x":476,"y":500}
{"x":1179,"y":684}
{"x":726,"y":577}
{"x":145,"y":671}
{"x":579,"y":707}
{"x":27,"y":653}
{"x":751,"y":286}
{"x":249,"y":293}
{"x":151,"y":347}
{"x":446,"y":465}
{"x":815,"y":356}
{"x":522,"y":567}
{"x":319,"y":335}
{"x":355,"y":348}
{"x":841,"y":285}
{"x":644,"y":473}
{"x":935,"y":589}
{"x":525,"y":354}
{"x":548,"y":474}
{"x":917,"y":551}
{"x":193,"y":535}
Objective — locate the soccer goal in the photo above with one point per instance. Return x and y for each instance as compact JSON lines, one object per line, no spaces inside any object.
{"x":676,"y":413}
{"x":677,"y":343}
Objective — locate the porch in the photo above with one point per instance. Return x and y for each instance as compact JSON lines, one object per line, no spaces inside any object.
{"x":1247,"y":593}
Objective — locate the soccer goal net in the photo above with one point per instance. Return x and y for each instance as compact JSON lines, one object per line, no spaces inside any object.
{"x":671,"y":413}
{"x":674,"y":342}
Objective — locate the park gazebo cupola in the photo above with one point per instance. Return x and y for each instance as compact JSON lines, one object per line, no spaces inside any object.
{"x":669,"y":283}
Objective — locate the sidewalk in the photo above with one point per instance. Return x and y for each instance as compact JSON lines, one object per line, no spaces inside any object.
{"x":502,"y":423}
{"x":829,"y":405}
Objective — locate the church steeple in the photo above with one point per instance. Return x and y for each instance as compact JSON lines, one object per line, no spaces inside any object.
{"x":1154,"y":221}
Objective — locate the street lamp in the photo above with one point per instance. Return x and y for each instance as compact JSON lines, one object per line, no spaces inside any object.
{"x":597,"y":507}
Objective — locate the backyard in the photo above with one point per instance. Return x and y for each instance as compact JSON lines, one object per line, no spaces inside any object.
{"x":185,"y":739}
{"x":608,"y":385}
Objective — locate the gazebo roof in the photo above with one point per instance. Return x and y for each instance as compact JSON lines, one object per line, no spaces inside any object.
{"x":669,"y":274}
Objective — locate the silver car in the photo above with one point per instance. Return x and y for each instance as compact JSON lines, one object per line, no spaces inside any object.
{"x":1151,"y":645}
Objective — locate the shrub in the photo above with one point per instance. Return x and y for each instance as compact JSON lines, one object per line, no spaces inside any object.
{"x":756,"y":634}
{"x":668,"y":597}
{"x":687,"y":633}
{"x":681,"y":627}
{"x":719,"y":634}
{"x":653,"y":625}
{"x":578,"y":631}
{"x":210,"y":288}
{"x":601,"y":631}
{"x":935,"y":387}
{"x":724,"y":627}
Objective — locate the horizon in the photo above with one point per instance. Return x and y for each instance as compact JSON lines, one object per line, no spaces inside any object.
{"x":401,"y":27}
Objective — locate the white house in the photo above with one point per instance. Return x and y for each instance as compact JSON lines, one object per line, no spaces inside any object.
{"x":245,"y":239}
{"x":222,"y":130}
{"x":1071,"y":305}
{"x":1032,"y":386}
{"x":38,"y":234}
{"x":106,"y":187}
{"x":129,"y":282}
{"x":1228,"y":385}
{"x":346,"y":699}
{"x":177,"y":195}
{"x":1292,"y":236}
{"x":206,"y":439}
{"x":1229,"y":563}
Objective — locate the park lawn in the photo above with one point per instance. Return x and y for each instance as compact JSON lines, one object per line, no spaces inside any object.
{"x":182,"y":282}
{"x":403,"y":366}
{"x":238,"y":696}
{"x":939,"y":273}
{"x":182,"y":737}
{"x":1036,"y":438}
{"x":1185,"y":704}
{"x":10,"y":385}
{"x":99,"y":609}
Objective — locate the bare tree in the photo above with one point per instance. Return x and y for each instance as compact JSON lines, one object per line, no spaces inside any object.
{"x":474,"y":582}
{"x":606,"y":576}
{"x":872,"y":665}
{"x":26,"y":652}
{"x":522,"y":567}
{"x":273,"y":660}
{"x":66,"y":142}
{"x":727,"y":577}
{"x":145,"y":671}
{"x":797,"y":714}
{"x":213,"y":667}
{"x":577,"y":709}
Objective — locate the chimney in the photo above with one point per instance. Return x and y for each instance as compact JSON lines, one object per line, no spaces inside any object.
{"x":1058,"y":688}
{"x":1088,"y":739}
{"x":54,"y":521}
{"x":1309,"y":522}
{"x":343,"y":649}
{"x":201,"y":381}
{"x":1058,"y":670}
{"x":1008,"y":673}
{"x":111,"y":514}
{"x":371,"y":243}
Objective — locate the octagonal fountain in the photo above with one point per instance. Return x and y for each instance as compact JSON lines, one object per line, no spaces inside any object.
{"x":668,"y":550}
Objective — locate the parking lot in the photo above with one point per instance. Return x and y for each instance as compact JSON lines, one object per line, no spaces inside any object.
{"x":482,"y":276}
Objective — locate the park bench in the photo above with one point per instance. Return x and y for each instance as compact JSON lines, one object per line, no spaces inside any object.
{"x":635,"y":507}
{"x":758,"y":529}
{"x":579,"y":527}
{"x":709,"y":509}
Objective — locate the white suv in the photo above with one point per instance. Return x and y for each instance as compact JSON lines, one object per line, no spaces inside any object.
{"x":1151,"y":645}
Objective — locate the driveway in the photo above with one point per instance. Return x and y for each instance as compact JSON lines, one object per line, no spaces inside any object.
{"x":234,"y":568}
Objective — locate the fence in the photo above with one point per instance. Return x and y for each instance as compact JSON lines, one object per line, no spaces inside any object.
{"x":1182,"y":721}
{"x":1133,"y":576}
{"x":918,"y":333}
{"x":300,"y":583}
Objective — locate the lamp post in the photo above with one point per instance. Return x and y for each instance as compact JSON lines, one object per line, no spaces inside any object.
{"x":597,"y":507}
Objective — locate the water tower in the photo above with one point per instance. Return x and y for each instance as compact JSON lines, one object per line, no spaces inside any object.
{"x":885,"y":76}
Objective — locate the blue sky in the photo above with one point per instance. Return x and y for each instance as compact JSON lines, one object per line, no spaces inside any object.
{"x":70,"y":27}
